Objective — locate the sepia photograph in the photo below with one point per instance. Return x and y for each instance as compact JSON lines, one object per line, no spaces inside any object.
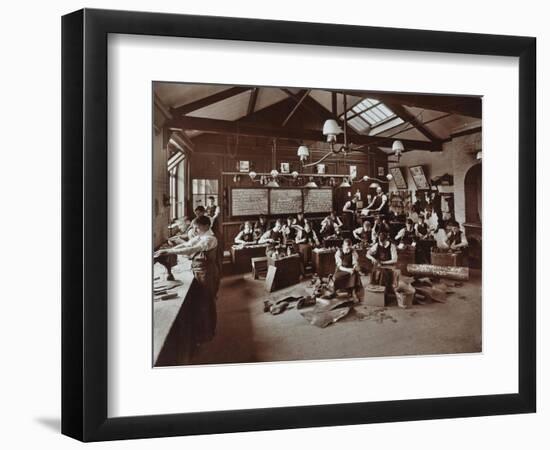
{"x":296,"y":224}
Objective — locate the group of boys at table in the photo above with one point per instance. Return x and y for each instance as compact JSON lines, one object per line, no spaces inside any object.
{"x":371,"y":239}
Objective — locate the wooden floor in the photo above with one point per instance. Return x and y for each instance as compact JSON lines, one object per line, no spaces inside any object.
{"x":246,"y":334}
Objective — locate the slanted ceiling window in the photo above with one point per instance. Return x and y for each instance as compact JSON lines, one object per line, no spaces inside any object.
{"x":367,"y":115}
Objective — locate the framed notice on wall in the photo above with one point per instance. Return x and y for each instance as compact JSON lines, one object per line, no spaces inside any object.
{"x":285,"y":201}
{"x":398,"y":178}
{"x":249,"y":202}
{"x":419,"y":177}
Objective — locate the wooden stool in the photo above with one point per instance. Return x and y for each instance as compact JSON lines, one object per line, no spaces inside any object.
{"x":259,"y":266}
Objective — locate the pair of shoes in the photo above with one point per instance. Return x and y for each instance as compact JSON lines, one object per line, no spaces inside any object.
{"x":305,"y":301}
{"x":278,"y":308}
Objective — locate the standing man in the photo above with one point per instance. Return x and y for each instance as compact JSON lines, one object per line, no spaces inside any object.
{"x":431,"y":219}
{"x":202,"y":250}
{"x":423,"y":250}
{"x":213,"y":211}
{"x":379,"y":204}
{"x":348,"y":211}
{"x":200,"y":211}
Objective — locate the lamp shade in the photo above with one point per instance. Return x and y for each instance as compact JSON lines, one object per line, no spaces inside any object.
{"x":303,"y":151}
{"x":389,"y":177}
{"x":252,"y":174}
{"x":272,"y":183}
{"x":274,"y":173}
{"x":397,"y":147}
{"x":366,"y":178}
{"x":311,"y":184}
{"x":345,"y":183}
{"x":331,"y":127}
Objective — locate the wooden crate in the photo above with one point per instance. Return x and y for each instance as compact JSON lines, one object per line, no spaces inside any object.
{"x":259,"y":266}
{"x":452,"y":259}
{"x":405,"y":256}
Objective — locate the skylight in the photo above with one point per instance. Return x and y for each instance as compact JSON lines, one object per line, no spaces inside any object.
{"x":368,"y":114}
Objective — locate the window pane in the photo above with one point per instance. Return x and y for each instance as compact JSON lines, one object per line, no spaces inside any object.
{"x":386,"y":110}
{"x":198,"y":200}
{"x":378,"y":113}
{"x":211,"y":186}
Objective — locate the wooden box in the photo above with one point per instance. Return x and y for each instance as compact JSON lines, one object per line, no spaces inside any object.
{"x":283,"y":272}
{"x":453,"y":259}
{"x":405,"y":256}
{"x":323,"y":262}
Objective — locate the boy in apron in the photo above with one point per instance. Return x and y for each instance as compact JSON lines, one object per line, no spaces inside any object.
{"x":202,"y":250}
{"x":347,"y":270}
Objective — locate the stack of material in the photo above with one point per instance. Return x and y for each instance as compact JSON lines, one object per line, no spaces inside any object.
{"x":432,"y":271}
{"x":326,"y":312}
{"x":166,"y":290}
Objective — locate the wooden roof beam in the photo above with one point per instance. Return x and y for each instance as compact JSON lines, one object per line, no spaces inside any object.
{"x":304,"y":94}
{"x":402,"y":112}
{"x":252,"y":101}
{"x":209,"y":100}
{"x":462,"y":105}
{"x":254,"y":129}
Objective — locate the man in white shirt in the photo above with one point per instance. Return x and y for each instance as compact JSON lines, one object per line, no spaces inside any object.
{"x":200,"y":211}
{"x":431,"y":219}
{"x":378,"y":205}
{"x":202,"y":250}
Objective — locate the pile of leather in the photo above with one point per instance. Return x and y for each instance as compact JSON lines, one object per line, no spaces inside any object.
{"x":322,"y":304}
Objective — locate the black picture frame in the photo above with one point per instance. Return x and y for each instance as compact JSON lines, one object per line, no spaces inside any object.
{"x":84,"y":224}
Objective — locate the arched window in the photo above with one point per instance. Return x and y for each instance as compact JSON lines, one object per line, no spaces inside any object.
{"x":472,"y":194}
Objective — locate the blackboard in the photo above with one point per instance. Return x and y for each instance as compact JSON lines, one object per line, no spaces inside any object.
{"x":285,"y":201}
{"x":317,"y":200}
{"x":249,"y":202}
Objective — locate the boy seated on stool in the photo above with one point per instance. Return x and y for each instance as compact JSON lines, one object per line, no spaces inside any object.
{"x":275,"y":234}
{"x":383,"y":254}
{"x":329,"y":224}
{"x":407,"y":235}
{"x":456,"y":239}
{"x":306,"y":240}
{"x":363,"y":234}
{"x":246,"y":235}
{"x":379,"y":226}
{"x":347,"y":270}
